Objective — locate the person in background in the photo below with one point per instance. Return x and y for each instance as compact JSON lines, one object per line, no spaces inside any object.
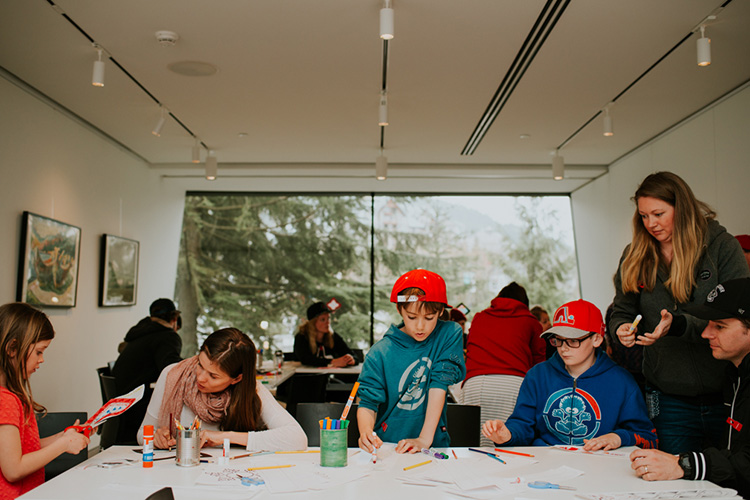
{"x":727,"y":310}
{"x":744,"y":240}
{"x":541,"y":315}
{"x":25,"y":334}
{"x":317,"y":345}
{"x":218,"y":386}
{"x":149,"y":347}
{"x":406,"y":374}
{"x":504,"y":343}
{"x":679,"y":253}
{"x":458,"y":317}
{"x":579,"y":396}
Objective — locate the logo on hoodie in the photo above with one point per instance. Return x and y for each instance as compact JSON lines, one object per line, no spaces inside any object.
{"x":414,"y":379}
{"x":572,"y":416}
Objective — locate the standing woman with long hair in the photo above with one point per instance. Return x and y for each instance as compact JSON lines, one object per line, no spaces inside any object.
{"x":219,"y":387}
{"x":679,"y":253}
{"x":25,"y":333}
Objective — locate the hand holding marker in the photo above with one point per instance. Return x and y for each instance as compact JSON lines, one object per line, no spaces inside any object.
{"x":634,"y":324}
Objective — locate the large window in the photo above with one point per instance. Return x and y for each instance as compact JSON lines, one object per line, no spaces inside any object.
{"x":257,"y":262}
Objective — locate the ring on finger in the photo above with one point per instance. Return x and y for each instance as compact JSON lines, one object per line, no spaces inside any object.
{"x":645,"y":468}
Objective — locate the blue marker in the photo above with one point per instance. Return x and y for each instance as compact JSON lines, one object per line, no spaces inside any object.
{"x":544,"y":485}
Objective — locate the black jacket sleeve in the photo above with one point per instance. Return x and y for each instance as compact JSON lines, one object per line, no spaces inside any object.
{"x":167,"y":350}
{"x":727,"y":468}
{"x":340,"y":348}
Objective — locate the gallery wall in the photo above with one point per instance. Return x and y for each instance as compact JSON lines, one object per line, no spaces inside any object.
{"x":58,"y":168}
{"x":710,"y":150}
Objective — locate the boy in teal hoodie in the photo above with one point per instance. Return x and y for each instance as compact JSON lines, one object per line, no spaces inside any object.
{"x":406,"y":374}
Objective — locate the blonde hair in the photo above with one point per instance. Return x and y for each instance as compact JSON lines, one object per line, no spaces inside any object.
{"x":430,"y":307}
{"x":308,"y":330}
{"x":690,"y":228}
{"x":21,"y":326}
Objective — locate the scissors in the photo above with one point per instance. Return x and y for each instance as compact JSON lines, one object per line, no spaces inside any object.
{"x":544,"y":485}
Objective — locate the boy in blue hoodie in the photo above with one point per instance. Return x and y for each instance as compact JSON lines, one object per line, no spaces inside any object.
{"x":405,"y":376}
{"x":579,"y":396}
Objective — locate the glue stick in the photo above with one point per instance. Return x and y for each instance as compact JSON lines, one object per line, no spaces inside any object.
{"x":148,"y":446}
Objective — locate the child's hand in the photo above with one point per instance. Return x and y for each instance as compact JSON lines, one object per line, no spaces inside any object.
{"x":606,"y":442}
{"x":368,"y":441}
{"x":412,"y":445}
{"x":74,"y":440}
{"x":496,"y":431}
{"x":162,"y":439}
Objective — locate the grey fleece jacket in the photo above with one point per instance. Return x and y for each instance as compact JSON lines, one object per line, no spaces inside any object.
{"x":682,"y":365}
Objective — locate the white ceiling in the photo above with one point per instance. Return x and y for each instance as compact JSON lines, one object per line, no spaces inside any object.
{"x":302,"y":79}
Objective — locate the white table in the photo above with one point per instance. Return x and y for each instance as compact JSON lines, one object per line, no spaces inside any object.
{"x":601,"y":474}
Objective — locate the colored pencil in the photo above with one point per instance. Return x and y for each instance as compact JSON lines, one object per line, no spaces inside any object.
{"x":350,"y":401}
{"x":481,"y":451}
{"x":418,"y":465}
{"x":271,"y":467}
{"x":290,"y":452}
{"x":496,"y":458}
{"x":514,"y":452}
{"x":454,"y":454}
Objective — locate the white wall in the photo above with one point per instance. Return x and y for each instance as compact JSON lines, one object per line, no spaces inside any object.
{"x":57,"y":168}
{"x":710,"y":151}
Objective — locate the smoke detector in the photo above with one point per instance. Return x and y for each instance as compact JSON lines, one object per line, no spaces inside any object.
{"x":167,"y":38}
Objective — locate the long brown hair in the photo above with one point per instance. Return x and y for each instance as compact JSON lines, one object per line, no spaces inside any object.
{"x":234,"y":352}
{"x":21,"y":326}
{"x":308,"y":330}
{"x":691,"y":216}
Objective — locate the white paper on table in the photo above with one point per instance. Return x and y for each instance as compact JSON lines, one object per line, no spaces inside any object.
{"x":661,"y":495}
{"x":603,"y":453}
{"x":183,"y":492}
{"x":315,"y":477}
{"x":222,"y":475}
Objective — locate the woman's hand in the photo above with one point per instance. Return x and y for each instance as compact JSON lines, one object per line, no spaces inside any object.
{"x":211,"y":439}
{"x":605,"y":442}
{"x":368,"y":441}
{"x":162,"y":439}
{"x":345,"y":360}
{"x":661,"y":329}
{"x":627,"y":338}
{"x":74,"y":441}
{"x":412,"y":445}
{"x":496,"y":431}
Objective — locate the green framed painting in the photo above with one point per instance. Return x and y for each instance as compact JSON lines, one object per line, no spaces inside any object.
{"x":49,"y":262}
{"x":118,"y":277}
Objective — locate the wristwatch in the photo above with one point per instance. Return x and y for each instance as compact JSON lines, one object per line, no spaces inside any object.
{"x":686,"y":464}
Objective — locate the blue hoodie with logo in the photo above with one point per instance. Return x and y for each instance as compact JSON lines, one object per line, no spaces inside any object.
{"x":554,"y":408}
{"x":398,"y":374}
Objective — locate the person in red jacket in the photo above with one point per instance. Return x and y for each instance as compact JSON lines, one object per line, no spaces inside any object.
{"x":504,"y":342}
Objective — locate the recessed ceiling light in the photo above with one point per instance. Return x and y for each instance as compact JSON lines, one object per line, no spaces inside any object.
{"x":192,"y":68}
{"x":242,"y":135}
{"x":524,"y":136}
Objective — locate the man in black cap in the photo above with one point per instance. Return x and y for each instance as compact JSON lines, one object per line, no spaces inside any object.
{"x":149,"y":347}
{"x":727,"y":309}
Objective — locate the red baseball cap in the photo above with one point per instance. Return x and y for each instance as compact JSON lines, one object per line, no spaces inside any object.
{"x":575,"y":319}
{"x":430,"y":283}
{"x":744,"y":240}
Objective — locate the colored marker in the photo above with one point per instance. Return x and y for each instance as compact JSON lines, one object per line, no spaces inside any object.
{"x":271,"y":467}
{"x":418,"y":465}
{"x":350,"y":401}
{"x":374,"y":449}
{"x":634,"y":324}
{"x":513,"y":452}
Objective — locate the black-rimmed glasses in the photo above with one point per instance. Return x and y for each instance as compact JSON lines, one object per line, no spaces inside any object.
{"x":558,"y":342}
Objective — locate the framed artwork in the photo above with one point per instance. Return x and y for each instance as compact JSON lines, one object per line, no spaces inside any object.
{"x":49,"y":261}
{"x":118,"y":278}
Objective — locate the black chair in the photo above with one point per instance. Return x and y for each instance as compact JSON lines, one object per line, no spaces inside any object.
{"x":52,"y":423}
{"x":306,"y":388}
{"x":162,"y":494}
{"x":110,"y":427}
{"x":463,"y":424}
{"x":103,"y":370}
{"x":309,"y":415}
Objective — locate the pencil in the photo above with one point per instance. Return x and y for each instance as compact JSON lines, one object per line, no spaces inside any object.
{"x":418,"y":465}
{"x":350,"y":401}
{"x":514,"y":452}
{"x":290,"y":452}
{"x":251,"y":454}
{"x":454,"y":454}
{"x":271,"y":467}
{"x":496,"y":458}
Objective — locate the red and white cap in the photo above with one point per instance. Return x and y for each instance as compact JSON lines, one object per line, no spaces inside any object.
{"x":430,"y":283}
{"x":575,"y":319}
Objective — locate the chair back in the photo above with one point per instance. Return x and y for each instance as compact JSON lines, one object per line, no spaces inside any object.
{"x":463,"y":424}
{"x":309,"y":415}
{"x":162,"y":494}
{"x":306,"y":388}
{"x":103,"y":370}
{"x":110,"y":427}
{"x":52,"y":423}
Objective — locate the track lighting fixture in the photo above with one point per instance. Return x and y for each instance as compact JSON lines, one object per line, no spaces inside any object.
{"x":383,"y":110}
{"x":381,"y":167}
{"x":160,"y":123}
{"x":97,"y":77}
{"x":558,"y":166}
{"x":197,"y":151}
{"x":386,"y":21}
{"x":608,"y":131}
{"x":212,"y":166}
{"x":703,"y":46}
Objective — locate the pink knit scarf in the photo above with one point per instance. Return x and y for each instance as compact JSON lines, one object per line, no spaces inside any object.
{"x":182,"y":389}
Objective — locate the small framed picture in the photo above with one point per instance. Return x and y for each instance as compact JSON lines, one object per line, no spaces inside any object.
{"x":461,"y":307}
{"x":49,"y":261}
{"x":118,"y":277}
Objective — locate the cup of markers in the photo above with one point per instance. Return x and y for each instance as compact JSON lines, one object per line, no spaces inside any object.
{"x":334,"y":442}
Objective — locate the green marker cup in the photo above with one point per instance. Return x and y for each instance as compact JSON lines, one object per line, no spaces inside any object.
{"x":333,"y":447}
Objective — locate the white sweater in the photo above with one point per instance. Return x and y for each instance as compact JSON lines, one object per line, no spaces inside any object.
{"x":283,"y":432}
